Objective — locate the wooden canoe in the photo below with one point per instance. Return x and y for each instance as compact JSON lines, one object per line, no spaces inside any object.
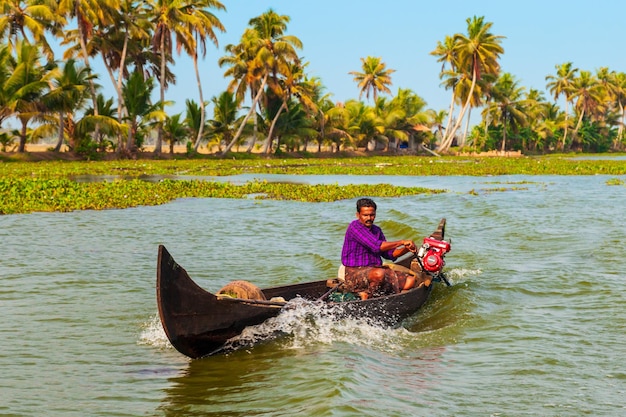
{"x":199,"y":323}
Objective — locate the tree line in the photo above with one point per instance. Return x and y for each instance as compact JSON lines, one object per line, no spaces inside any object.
{"x":271,"y":103}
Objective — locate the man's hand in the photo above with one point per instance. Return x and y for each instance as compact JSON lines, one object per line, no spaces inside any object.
{"x":410,"y":245}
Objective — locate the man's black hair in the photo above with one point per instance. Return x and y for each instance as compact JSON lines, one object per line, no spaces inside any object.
{"x":364,"y":202}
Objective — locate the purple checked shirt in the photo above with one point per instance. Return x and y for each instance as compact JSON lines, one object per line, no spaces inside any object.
{"x":361,"y":246}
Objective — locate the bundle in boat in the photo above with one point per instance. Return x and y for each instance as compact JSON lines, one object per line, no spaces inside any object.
{"x":242,"y":289}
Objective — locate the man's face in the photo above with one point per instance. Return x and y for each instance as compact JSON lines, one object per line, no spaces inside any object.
{"x":366,"y":216}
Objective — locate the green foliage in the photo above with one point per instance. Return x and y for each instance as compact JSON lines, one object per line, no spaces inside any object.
{"x":32,"y":195}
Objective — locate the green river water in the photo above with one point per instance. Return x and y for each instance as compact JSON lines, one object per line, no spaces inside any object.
{"x":533,"y":325}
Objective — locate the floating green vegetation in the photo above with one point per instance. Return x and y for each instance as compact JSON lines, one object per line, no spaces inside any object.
{"x":376,"y":165}
{"x":615,"y":181}
{"x":31,"y":195}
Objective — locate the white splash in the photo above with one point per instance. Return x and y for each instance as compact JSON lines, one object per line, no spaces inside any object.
{"x":456,"y":275}
{"x":304,"y":323}
{"x":153,"y":334}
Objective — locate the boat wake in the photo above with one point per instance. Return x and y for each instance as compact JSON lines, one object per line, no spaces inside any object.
{"x":152,"y":334}
{"x":304,"y":323}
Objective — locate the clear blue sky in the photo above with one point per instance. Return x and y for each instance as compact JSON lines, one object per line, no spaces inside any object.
{"x":336,"y":34}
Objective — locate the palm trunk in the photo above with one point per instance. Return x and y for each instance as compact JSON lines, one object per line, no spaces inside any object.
{"x":202,"y":109}
{"x":22,"y":146}
{"x":450,"y":135}
{"x":469,"y":113}
{"x":92,"y":87}
{"x":159,"y":141}
{"x":57,"y":148}
{"x":245,"y":120}
{"x":272,"y":126}
{"x":502,"y":149}
{"x":256,"y":128}
{"x":566,"y":124}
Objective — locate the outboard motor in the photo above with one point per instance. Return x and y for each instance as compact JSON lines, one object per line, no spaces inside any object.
{"x":431,"y":254}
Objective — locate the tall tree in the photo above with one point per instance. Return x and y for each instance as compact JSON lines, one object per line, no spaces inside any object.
{"x":588,"y":93}
{"x":170,"y":18}
{"x":375,"y":78}
{"x":447,"y":55}
{"x":18,"y":17}
{"x":88,"y":14}
{"x":246,"y":72}
{"x":563,"y":84}
{"x":174,"y":130}
{"x":478,"y":53}
{"x":222,"y":126}
{"x":507,"y":107}
{"x":28,"y":82}
{"x":141,"y":112}
{"x":268,"y":50}
{"x":70,"y":90}
{"x":203,"y":26}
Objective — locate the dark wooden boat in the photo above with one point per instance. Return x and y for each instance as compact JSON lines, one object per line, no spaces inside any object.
{"x":199,"y":323}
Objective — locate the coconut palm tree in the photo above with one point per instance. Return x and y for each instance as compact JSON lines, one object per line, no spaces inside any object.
{"x":447,"y":55}
{"x":375,"y":78}
{"x":589,"y":95}
{"x":364,"y":125}
{"x":69,"y":91}
{"x":292,"y":84}
{"x":223,"y":124}
{"x":174,"y":130}
{"x":170,"y":19}
{"x":121,"y":43}
{"x":28,"y":83}
{"x":203,"y":27}
{"x":7,"y":64}
{"x":246,"y":72}
{"x":619,"y":94}
{"x":507,"y":107}
{"x":89,"y":15}
{"x":563,"y":84}
{"x":19,"y":17}
{"x":141,"y":111}
{"x":477,"y":53}
{"x":267,"y":50}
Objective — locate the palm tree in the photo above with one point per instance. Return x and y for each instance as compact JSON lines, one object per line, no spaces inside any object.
{"x":120,"y":44}
{"x":266,"y":50}
{"x":447,"y":55}
{"x":293,"y":84}
{"x":174,"y":130}
{"x":222,"y":126}
{"x":18,"y":17}
{"x":170,"y":18}
{"x":374,"y":79}
{"x":88,"y":14}
{"x":507,"y":108}
{"x":28,"y":83}
{"x":364,"y":125}
{"x":193,"y":118}
{"x":619,"y":92}
{"x":7,"y":64}
{"x":246,"y":72}
{"x":478,"y":54}
{"x":588,"y":93}
{"x":563,"y":84}
{"x":203,"y":26}
{"x":141,"y":111}
{"x":70,"y":90}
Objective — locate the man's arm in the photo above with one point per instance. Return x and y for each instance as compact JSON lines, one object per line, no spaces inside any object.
{"x":399,"y":247}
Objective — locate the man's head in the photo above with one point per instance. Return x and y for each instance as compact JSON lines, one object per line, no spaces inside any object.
{"x":366,"y":211}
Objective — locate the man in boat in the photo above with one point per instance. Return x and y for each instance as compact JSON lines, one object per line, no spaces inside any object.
{"x":364,"y":247}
